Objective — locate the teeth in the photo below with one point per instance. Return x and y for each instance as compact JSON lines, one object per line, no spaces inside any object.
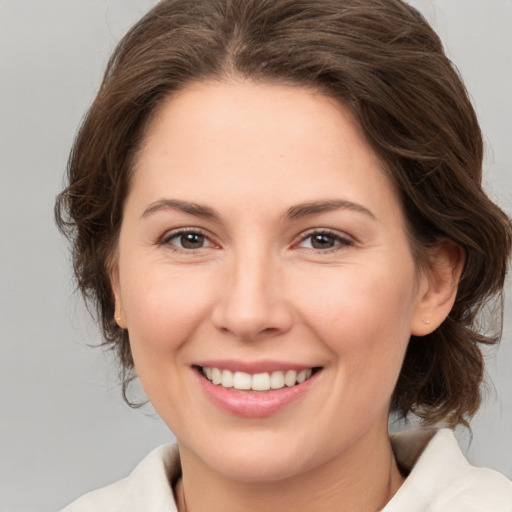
{"x":261,"y":382}
{"x":216,"y":376}
{"x":301,"y":376}
{"x":258,"y":381}
{"x":227,"y":379}
{"x":277,"y":380}
{"x":242,"y":380}
{"x":290,"y":378}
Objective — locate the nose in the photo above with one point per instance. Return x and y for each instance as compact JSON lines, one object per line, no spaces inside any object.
{"x":251,"y":302}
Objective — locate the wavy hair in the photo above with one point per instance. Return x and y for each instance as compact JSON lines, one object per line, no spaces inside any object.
{"x":382,"y":60}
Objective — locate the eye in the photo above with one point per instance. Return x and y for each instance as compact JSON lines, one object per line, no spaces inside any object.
{"x":323,"y":241}
{"x":187,"y":240}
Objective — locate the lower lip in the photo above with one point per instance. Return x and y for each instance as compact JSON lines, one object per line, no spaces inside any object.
{"x":254,"y":404}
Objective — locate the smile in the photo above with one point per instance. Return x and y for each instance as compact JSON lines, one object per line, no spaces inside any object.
{"x":255,"y":389}
{"x":258,"y":381}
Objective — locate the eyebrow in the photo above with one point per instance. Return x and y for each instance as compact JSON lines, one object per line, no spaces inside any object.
{"x":184,"y":206}
{"x":295,"y":212}
{"x":312,"y":208}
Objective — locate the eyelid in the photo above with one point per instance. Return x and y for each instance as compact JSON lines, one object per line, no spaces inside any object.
{"x":173,"y":233}
{"x":343,"y":239}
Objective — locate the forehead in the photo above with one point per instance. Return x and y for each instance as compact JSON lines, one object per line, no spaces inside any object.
{"x":260,"y":139}
{"x":231,"y":113}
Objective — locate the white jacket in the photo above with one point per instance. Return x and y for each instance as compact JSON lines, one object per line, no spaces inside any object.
{"x":440,"y":480}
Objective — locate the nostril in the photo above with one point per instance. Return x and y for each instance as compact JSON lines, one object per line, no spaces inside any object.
{"x":270,"y":330}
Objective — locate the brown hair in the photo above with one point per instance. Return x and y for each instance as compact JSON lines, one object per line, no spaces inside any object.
{"x":379,"y":57}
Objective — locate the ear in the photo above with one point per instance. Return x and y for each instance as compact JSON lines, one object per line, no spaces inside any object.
{"x":437,"y":288}
{"x":119,"y":314}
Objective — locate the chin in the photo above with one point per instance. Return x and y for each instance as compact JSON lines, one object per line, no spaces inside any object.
{"x":262,"y":458}
{"x":261,"y":468}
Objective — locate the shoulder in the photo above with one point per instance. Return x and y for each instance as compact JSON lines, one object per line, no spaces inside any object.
{"x":477,"y":490}
{"x":99,"y":500}
{"x":147,"y":488}
{"x":468,"y":488}
{"x":441,"y":478}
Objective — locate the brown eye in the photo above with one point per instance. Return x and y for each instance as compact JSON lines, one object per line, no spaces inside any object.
{"x":191,"y":240}
{"x":323,"y":241}
{"x":187,"y":240}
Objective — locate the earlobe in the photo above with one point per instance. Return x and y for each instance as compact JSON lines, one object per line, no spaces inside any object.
{"x":119,"y":314}
{"x":119,"y":318}
{"x":438,"y":287}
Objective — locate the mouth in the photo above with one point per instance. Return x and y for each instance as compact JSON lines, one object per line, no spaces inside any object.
{"x":255,"y":389}
{"x":264,"y":381}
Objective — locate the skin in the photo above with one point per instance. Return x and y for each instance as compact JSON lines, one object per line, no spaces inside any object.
{"x":257,"y":288}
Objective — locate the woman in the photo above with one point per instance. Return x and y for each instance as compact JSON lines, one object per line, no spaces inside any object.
{"x":276,"y":207}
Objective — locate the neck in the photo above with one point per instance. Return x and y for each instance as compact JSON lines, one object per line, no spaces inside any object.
{"x":363,"y":480}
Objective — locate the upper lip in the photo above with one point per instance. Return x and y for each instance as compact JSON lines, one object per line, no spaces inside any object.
{"x":253,"y":367}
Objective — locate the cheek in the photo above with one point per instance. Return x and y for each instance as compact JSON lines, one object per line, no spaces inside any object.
{"x":362,"y":315}
{"x":163,"y":309}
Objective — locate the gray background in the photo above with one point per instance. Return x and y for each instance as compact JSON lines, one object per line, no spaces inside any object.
{"x":64,"y":427}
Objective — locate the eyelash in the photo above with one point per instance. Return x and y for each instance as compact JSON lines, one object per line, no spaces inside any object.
{"x":340,"y":241}
{"x":166,"y":239}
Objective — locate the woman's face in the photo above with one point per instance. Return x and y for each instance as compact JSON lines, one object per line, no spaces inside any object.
{"x":262,"y":244}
